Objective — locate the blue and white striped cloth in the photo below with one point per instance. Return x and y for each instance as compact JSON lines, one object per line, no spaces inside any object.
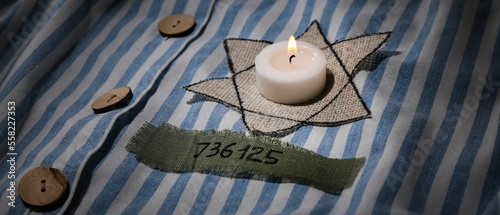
{"x":432,"y":144}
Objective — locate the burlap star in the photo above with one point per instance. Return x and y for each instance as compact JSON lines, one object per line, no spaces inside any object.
{"x":340,"y":102}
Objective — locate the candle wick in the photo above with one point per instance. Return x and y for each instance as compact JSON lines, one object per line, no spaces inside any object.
{"x":290,"y":59}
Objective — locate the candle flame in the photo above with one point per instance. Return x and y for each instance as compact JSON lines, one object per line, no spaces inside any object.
{"x":292,"y":46}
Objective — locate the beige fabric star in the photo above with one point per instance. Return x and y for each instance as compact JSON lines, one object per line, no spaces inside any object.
{"x":339,"y":103}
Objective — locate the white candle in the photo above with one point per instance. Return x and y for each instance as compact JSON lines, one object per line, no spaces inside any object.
{"x":290,"y":82}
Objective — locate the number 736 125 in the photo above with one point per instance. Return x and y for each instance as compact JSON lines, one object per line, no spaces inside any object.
{"x":248,"y":152}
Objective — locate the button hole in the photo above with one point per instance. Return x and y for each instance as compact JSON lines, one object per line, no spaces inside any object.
{"x":43,"y":181}
{"x":109,"y":99}
{"x":178,"y":22}
{"x":43,"y":190}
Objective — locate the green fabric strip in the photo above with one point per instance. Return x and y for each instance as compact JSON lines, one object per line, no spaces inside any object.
{"x":172,"y":149}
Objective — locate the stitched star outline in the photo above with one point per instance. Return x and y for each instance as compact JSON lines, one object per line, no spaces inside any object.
{"x":340,"y":102}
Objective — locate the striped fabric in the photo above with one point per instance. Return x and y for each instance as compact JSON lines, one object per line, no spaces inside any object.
{"x":432,"y":144}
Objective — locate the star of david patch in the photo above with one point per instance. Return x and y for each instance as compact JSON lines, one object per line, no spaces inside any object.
{"x":339,"y":103}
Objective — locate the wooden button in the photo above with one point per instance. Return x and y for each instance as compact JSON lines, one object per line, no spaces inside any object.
{"x":42,"y":186}
{"x":176,"y":25}
{"x":113,"y":99}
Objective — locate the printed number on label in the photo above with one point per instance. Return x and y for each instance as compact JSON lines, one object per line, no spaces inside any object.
{"x":248,"y":153}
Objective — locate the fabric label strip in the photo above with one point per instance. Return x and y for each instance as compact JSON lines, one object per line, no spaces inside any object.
{"x":169,"y":148}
